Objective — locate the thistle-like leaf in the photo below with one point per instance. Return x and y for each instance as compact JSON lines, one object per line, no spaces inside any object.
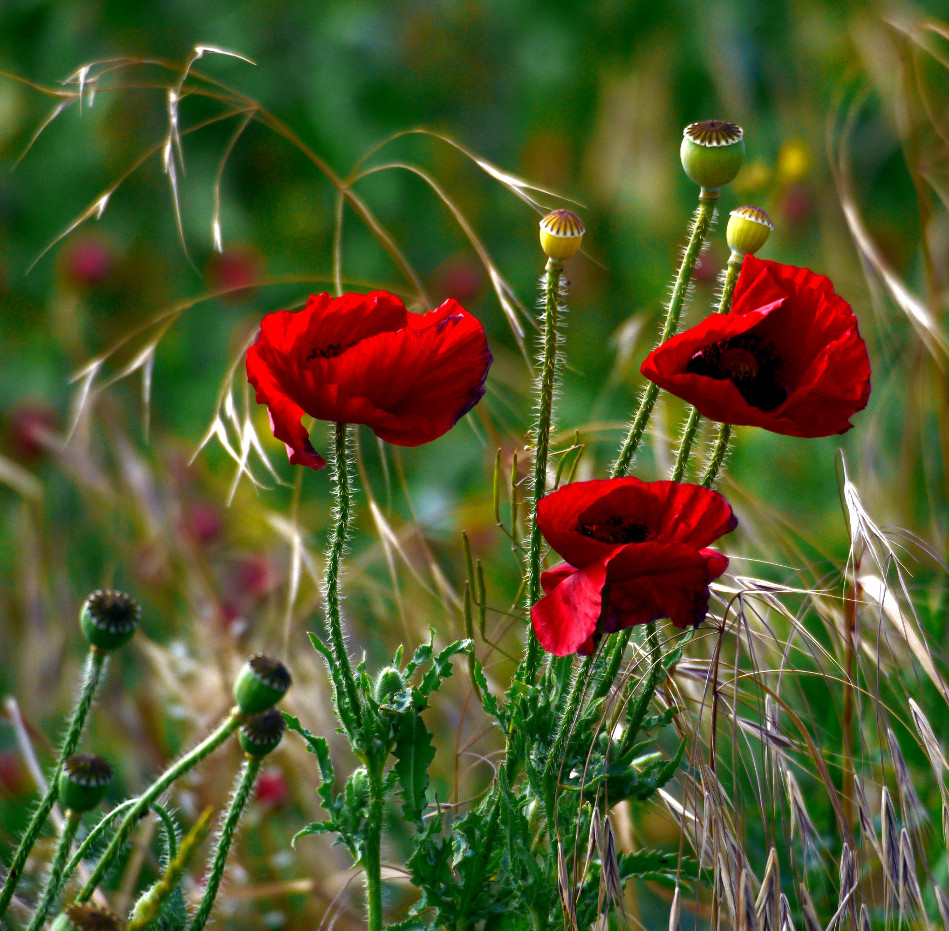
{"x":413,"y":755}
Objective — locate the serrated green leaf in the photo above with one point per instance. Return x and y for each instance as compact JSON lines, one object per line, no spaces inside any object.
{"x":441,"y":669}
{"x":421,"y":655}
{"x":343,"y":711}
{"x":488,"y":701}
{"x":413,"y":755}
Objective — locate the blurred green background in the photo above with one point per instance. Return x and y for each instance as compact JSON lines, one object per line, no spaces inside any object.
{"x":584,"y":100}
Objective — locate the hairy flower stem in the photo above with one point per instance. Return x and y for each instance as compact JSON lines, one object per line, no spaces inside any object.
{"x":55,"y":880}
{"x":701,"y":223}
{"x":349,"y":703}
{"x":142,"y":803}
{"x":247,"y":778}
{"x":720,"y":449}
{"x":578,"y":688}
{"x":95,"y":666}
{"x":545,"y":392}
{"x":372,"y":859}
{"x":692,"y":423}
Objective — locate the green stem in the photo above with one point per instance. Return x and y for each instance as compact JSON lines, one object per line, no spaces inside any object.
{"x":562,"y":735}
{"x":701,"y":223}
{"x":685,"y":446}
{"x":720,"y":449}
{"x":55,"y":881}
{"x":142,"y":803}
{"x":691,"y":425}
{"x":372,"y":858}
{"x":247,"y":778}
{"x":545,"y":391}
{"x":95,"y":666}
{"x":718,"y":455}
{"x":349,"y":703}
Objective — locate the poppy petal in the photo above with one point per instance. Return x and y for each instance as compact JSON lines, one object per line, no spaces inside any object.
{"x":566,"y":617}
{"x":365,"y":359}
{"x":803,"y":338}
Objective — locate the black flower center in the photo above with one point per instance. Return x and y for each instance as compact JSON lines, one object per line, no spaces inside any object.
{"x":751,"y":365}
{"x":329,"y":352}
{"x":615,"y":530}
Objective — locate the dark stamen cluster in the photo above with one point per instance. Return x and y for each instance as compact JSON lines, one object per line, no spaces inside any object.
{"x":329,"y":352}
{"x":751,"y":365}
{"x":614,"y":530}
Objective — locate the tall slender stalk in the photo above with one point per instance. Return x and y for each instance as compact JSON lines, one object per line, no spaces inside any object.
{"x":246,"y":781}
{"x":720,"y":448}
{"x":334,"y":625}
{"x":55,"y":880}
{"x":546,"y":381}
{"x":95,"y":666}
{"x":692,"y":423}
{"x":702,"y":221}
{"x":372,"y":859}
{"x":142,"y":803}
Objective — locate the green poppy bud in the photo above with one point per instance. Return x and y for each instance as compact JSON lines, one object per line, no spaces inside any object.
{"x":388,"y":684}
{"x":561,"y":233}
{"x":360,"y":783}
{"x":748,"y":230}
{"x":712,"y":152}
{"x":260,"y":684}
{"x":83,"y":781}
{"x":81,"y":916}
{"x":261,"y":734}
{"x":109,"y":618}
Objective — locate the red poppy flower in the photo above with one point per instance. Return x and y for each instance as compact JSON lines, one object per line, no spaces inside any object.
{"x":635,"y":552}
{"x":363,"y":358}
{"x":788,"y":357}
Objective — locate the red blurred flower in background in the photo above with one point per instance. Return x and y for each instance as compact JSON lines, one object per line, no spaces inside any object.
{"x":635,"y":552}
{"x":788,"y":357}
{"x":363,"y":358}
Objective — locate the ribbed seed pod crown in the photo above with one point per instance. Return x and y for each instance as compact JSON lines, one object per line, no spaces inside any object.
{"x":561,"y":233}
{"x":260,"y":684}
{"x":262,"y":733}
{"x":748,"y":230}
{"x":712,"y":152}
{"x":109,"y":618}
{"x":83,"y":781}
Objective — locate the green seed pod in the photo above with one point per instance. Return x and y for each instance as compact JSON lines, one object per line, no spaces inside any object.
{"x":561,"y":233}
{"x":260,"y":684}
{"x":261,"y":734}
{"x":83,"y":781}
{"x":712,"y":152}
{"x":388,"y":683}
{"x":81,"y":916}
{"x":109,"y":619}
{"x":748,"y":230}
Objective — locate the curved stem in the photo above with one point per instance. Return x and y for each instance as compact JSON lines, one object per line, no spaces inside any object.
{"x":702,"y":221}
{"x":95,"y":665}
{"x":545,"y":392}
{"x":349,"y":703}
{"x":372,"y":859}
{"x":142,"y":803}
{"x":247,"y":778}
{"x":55,"y":881}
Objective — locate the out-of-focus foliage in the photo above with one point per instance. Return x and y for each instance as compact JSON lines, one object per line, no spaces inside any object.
{"x":587,"y":100}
